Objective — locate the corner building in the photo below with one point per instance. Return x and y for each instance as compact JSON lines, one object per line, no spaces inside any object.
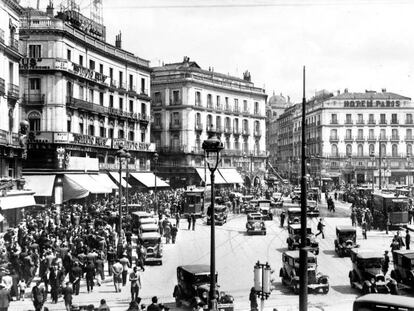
{"x":191,"y":104}
{"x":82,"y":96}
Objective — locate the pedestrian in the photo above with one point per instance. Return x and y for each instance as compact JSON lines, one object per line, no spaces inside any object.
{"x":135,"y":280}
{"x":177,"y":219}
{"x":167,"y":234}
{"x":90,"y":276}
{"x":38,"y":296}
{"x":141,"y":255}
{"x":320,"y":228}
{"x":189,"y":219}
{"x":336,"y":196}
{"x":5,"y":298}
{"x":407,"y":239}
{"x":125,"y":266}
{"x":75,"y":277}
{"x":22,"y":289}
{"x":282,"y":218}
{"x":174,"y":231}
{"x":111,"y":256}
{"x":385,"y":263}
{"x":154,"y":306}
{"x":193,"y":220}
{"x":103,"y":306}
{"x":100,"y":270}
{"x":253,"y":300}
{"x":364,"y":230}
{"x":67,"y":293}
{"x":117,"y":273}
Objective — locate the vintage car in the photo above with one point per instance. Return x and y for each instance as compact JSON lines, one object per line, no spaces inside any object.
{"x":290,"y":273}
{"x":137,"y":218}
{"x":255,"y":224}
{"x":295,"y":196}
{"x":152,"y":242}
{"x":220,"y":212}
{"x":277,"y":200}
{"x":293,"y":215}
{"x":293,"y":240}
{"x":193,"y":286}
{"x":312,"y":208}
{"x":345,"y":240}
{"x":367,"y":274}
{"x":403,"y":271}
{"x":149,"y":227}
{"x":251,"y":207}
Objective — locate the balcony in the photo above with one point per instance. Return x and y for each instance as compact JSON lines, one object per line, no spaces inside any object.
{"x":236,"y":109}
{"x":176,"y":126}
{"x":210,"y":128}
{"x":334,"y":121}
{"x":383,"y":138}
{"x":409,"y":138}
{"x":113,"y":83}
{"x":383,"y":122}
{"x":360,"y":138}
{"x":132,"y":90}
{"x":14,"y":44}
{"x":227,"y":109}
{"x":236,"y":131}
{"x":210,"y":105}
{"x":198,"y":104}
{"x":2,"y":87}
{"x":349,"y":122}
{"x":372,"y":139}
{"x":172,"y":149}
{"x":257,"y":133}
{"x":219,"y":107}
{"x":348,"y":139}
{"x":34,"y":99}
{"x":156,"y":127}
{"x":219,"y":129}
{"x":394,"y":121}
{"x":257,"y":113}
{"x":409,"y":121}
{"x":227,"y":130}
{"x":198,"y":126}
{"x":197,"y":150}
{"x":122,"y":86}
{"x":360,"y":122}
{"x":333,"y":139}
{"x":175,"y":102}
{"x":246,"y":132}
{"x":395,"y":138}
{"x":157,"y":103}
{"x":372,"y":122}
{"x":143,"y":92}
{"x":13,"y":91}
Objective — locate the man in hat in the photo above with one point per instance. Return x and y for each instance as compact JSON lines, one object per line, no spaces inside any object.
{"x":385,"y":263}
{"x":4,"y":298}
{"x":38,"y":296}
{"x":67,"y":293}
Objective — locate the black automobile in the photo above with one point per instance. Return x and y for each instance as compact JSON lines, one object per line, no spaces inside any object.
{"x":193,"y":287}
{"x":220,"y":212}
{"x":345,"y":240}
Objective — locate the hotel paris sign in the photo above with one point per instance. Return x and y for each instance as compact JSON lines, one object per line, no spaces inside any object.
{"x":372,"y":103}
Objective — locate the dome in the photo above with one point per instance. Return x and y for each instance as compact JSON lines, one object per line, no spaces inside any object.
{"x":276,"y":101}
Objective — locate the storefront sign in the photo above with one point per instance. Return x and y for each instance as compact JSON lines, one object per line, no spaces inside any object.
{"x":131,"y":145}
{"x":371,"y":103}
{"x":3,"y":137}
{"x":89,"y":140}
{"x":88,"y":73}
{"x":60,"y":137}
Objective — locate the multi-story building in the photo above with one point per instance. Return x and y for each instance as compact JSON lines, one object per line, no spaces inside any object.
{"x":356,"y":137}
{"x":190,"y":105}
{"x":12,"y":152}
{"x":82,"y":96}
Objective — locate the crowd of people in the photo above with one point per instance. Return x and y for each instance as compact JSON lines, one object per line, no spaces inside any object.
{"x":49,"y":253}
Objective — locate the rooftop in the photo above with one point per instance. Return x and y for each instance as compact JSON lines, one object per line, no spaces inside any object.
{"x":369,"y":95}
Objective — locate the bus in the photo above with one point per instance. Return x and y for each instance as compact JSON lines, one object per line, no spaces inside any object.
{"x":374,"y":302}
{"x":196,"y":201}
{"x":391,"y":208}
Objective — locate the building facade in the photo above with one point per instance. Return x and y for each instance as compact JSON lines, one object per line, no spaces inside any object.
{"x":83,"y":97}
{"x":358,"y":137}
{"x":190,"y":104}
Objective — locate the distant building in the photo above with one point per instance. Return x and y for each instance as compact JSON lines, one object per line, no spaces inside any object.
{"x":12,"y":141}
{"x":83,"y":99}
{"x":345,"y":133}
{"x":190,"y":104}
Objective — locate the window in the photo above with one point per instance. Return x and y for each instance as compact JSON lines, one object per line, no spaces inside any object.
{"x":371,"y":119}
{"x":176,"y":97}
{"x":121,"y":79}
{"x":382,"y":118}
{"x":91,"y":64}
{"x":131,"y":83}
{"x":383,"y":150}
{"x":349,"y":150}
{"x":360,"y":150}
{"x":348,"y":134}
{"x":111,"y":133}
{"x":121,"y":103}
{"x":218,"y":102}
{"x":111,"y":101}
{"x":69,"y":89}
{"x":157,"y":98}
{"x":121,"y":134}
{"x":227,"y":124}
{"x":348,"y":119}
{"x":236,"y":125}
{"x":143,"y":109}
{"x":69,"y":123}
{"x":360,"y":134}
{"x":157,"y":119}
{"x":245,"y":126}
{"x":80,"y":60}
{"x":409,"y":150}
{"x":91,"y":95}
{"x":91,"y":130}
{"x":256,"y":108}
{"x":102,"y":131}
{"x":360,"y":118}
{"x":143,"y":89}
{"x":101,"y":98}
{"x":394,"y":134}
{"x":218,"y":123}
{"x":197,"y":98}
{"x":226,"y":103}
{"x":81,"y":127}
{"x":394,"y":119}
{"x":111,"y":73}
{"x":382,"y":134}
{"x":131,"y":106}
{"x":143,"y":137}
{"x":131,"y":135}
{"x":35,"y":51}
{"x":371,"y":149}
{"x":409,"y":119}
{"x":101,"y":68}
{"x":209,"y":122}
{"x":236,"y":105}
{"x":245,"y":107}
{"x":394,"y":150}
{"x":409,"y":134}
{"x":34,"y":121}
{"x":69,"y":55}
{"x":334,"y":118}
{"x":334,"y":134}
{"x":176,"y":118}
{"x":371,"y":134}
{"x":334,"y":150}
{"x":209,"y":101}
{"x":81,"y":92}
{"x":34,"y":83}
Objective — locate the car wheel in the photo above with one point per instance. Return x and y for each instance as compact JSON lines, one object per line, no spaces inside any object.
{"x":281,"y":273}
{"x":365,"y":289}
{"x":325,"y":290}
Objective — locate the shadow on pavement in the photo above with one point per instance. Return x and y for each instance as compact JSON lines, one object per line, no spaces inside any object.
{"x":281,"y":249}
{"x":344,"y":289}
{"x":330,"y":252}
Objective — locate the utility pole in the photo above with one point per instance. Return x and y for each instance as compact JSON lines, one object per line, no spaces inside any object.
{"x":303,"y":255}
{"x":379,"y":165}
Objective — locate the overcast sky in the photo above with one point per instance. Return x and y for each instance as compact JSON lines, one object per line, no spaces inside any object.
{"x":350,"y":44}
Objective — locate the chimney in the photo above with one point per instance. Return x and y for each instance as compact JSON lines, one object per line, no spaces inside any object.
{"x":50,"y":9}
{"x":384,"y":90}
{"x":346,"y":91}
{"x":118,"y":41}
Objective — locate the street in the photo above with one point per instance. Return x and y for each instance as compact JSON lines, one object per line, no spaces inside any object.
{"x":236,"y":254}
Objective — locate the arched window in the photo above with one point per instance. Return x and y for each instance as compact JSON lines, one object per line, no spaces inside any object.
{"x":383,"y":150}
{"x":394,"y":150}
{"x":349,"y":150}
{"x":198,"y":143}
{"x":334,"y":150}
{"x":121,"y":134}
{"x":198,"y":118}
{"x":209,"y":121}
{"x":360,"y":150}
{"x":34,"y":121}
{"x":131,"y":135}
{"x":371,"y":149}
{"x":409,"y":150}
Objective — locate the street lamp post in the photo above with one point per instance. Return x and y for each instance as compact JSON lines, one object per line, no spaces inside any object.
{"x":372,"y":155}
{"x":212,"y":148}
{"x":155,"y":158}
{"x":121,"y":154}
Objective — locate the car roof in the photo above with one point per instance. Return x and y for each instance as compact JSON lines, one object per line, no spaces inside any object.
{"x":406,"y":253}
{"x":149,"y":226}
{"x":298,"y":226}
{"x":196,"y":269}
{"x":148,"y":220}
{"x":150,"y":235}
{"x":403,"y":301}
{"x":142,"y":214}
{"x":294,"y":209}
{"x":368,"y":253}
{"x":346,"y":228}
{"x":295,"y":254}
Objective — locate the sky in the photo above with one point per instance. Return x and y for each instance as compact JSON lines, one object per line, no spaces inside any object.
{"x":358,"y":45}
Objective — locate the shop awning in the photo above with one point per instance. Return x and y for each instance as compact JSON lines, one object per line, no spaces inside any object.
{"x":42,"y":185}
{"x":17,"y":201}
{"x":72,"y":190}
{"x":105,"y":180}
{"x":231,"y":175}
{"x":148,"y":180}
{"x":88,"y":183}
{"x":115,"y":177}
{"x":218,"y":180}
